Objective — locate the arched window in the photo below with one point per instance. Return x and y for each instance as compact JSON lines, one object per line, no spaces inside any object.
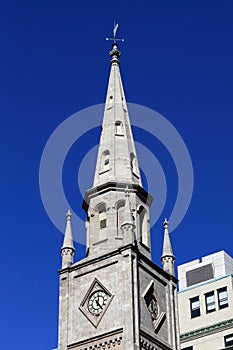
{"x":119,"y":128}
{"x":144,"y":226}
{"x":105,"y":160}
{"x":120,"y":215}
{"x":101,"y":220}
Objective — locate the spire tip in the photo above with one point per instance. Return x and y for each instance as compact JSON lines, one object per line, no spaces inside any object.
{"x":165,"y":223}
{"x":68,"y":215}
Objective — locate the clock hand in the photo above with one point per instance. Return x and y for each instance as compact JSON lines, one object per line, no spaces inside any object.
{"x":98,"y":304}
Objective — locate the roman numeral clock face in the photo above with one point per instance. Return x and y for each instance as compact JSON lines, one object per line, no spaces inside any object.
{"x":97,"y":302}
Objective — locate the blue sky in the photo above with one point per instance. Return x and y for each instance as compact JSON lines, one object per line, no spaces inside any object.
{"x":176,"y":59}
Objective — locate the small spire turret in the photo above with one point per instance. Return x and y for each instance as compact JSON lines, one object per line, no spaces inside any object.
{"x":128,"y":226}
{"x":167,"y":258}
{"x":68,"y":250}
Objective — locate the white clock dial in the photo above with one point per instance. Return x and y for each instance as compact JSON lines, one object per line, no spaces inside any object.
{"x":97,"y":301}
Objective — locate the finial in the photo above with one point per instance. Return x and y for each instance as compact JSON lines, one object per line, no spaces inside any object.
{"x":115,"y":53}
{"x":165,"y":223}
{"x":68,"y":215}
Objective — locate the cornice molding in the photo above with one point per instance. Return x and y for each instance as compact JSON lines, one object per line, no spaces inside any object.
{"x":201,"y":332}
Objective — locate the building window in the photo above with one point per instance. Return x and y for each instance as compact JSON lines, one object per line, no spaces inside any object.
{"x":102,"y":218}
{"x":195,"y":307}
{"x":210,"y":302}
{"x":188,"y":348}
{"x":228,"y":339}
{"x":105,"y":160}
{"x":119,"y":128}
{"x":103,"y":223}
{"x":222,"y":298}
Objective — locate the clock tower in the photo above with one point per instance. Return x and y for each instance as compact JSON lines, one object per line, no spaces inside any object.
{"x":116,"y":297}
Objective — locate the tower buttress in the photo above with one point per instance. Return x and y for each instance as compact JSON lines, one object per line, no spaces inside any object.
{"x":68,"y":250}
{"x":167,"y":257}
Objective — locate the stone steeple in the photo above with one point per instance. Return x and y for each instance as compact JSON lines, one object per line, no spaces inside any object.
{"x":117,"y":178}
{"x":68,"y":250}
{"x":167,"y":258}
{"x":117,"y":159}
{"x":116,"y":297}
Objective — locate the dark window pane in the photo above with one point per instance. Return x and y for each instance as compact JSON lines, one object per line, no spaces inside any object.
{"x":210,"y":302}
{"x":195,"y":307}
{"x":222,"y":298}
{"x":228,"y":340}
{"x":103,"y":223}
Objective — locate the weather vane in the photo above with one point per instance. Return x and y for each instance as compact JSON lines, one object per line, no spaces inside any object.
{"x":115,"y":39}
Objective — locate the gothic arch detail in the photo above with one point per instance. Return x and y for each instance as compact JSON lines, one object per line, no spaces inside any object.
{"x":101,"y":220}
{"x":144,"y":227}
{"x":120,"y":210}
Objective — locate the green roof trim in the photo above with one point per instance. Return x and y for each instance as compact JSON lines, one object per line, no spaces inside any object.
{"x":201,"y":332}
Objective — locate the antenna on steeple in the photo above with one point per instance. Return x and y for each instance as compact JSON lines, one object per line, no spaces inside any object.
{"x":115,"y":39}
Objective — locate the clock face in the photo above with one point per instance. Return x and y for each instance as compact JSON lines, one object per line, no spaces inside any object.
{"x":97,"y":301}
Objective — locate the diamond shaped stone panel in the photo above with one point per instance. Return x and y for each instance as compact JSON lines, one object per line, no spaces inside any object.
{"x":154,"y":306}
{"x":96,"y":302}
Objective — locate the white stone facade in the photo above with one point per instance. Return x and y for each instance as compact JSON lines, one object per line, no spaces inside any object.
{"x":126,"y":275}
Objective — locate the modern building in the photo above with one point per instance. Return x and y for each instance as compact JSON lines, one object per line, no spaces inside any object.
{"x":116,"y":297}
{"x":205,"y":303}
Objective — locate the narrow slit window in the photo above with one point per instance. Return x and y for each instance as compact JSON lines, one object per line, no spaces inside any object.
{"x":105,"y":161}
{"x":119,"y":128}
{"x":102,"y":218}
{"x":103,"y":223}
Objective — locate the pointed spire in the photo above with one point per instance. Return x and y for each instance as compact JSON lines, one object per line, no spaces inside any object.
{"x":68,"y":249}
{"x":109,"y":208}
{"x":117,"y":159}
{"x":167,"y":256}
